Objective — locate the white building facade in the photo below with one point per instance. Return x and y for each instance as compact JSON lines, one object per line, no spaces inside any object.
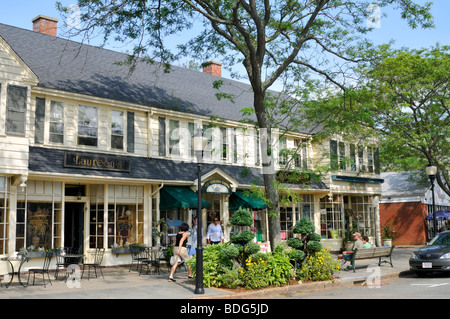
{"x":91,"y":158}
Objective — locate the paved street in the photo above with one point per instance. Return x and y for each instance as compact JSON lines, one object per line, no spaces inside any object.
{"x":404,"y":287}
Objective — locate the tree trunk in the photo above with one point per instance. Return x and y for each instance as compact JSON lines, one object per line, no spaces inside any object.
{"x":273,"y":211}
{"x":268,"y":169}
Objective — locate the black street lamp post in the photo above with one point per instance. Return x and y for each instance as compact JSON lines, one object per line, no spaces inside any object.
{"x":199,"y":144}
{"x":431,"y":172}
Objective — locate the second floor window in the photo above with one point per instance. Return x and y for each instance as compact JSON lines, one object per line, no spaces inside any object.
{"x":16,"y":107}
{"x":174,"y":137}
{"x":117,"y":129}
{"x":87,"y":125}
{"x":282,"y":151}
{"x":56,"y":122}
{"x":351,"y":157}
{"x":225,"y":146}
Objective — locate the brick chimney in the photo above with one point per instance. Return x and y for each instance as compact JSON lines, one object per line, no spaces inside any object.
{"x":44,"y":24}
{"x":213,"y":68}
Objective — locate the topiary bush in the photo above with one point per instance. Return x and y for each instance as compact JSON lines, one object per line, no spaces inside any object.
{"x":307,"y":245}
{"x":242,"y":240}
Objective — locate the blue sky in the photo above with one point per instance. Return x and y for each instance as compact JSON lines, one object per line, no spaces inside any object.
{"x":20,"y":13}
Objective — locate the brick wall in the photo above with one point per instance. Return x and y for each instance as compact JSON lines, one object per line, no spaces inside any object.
{"x":213,"y":68}
{"x":46,"y":25}
{"x":407,"y":219}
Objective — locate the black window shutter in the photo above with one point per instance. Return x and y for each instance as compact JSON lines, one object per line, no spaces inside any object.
{"x":16,"y":106}
{"x":162,"y":136}
{"x":39,"y":121}
{"x":130,"y":132}
{"x":333,"y":155}
{"x":376,"y":159}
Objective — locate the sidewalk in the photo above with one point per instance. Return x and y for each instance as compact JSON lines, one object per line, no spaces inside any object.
{"x":119,"y":283}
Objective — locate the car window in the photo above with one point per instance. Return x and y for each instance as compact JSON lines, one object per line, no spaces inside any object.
{"x":441,"y":239}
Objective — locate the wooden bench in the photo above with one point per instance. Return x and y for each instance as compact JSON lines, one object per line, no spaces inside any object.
{"x":368,"y":253}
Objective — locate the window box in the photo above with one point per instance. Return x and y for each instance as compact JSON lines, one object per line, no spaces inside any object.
{"x":121,"y":250}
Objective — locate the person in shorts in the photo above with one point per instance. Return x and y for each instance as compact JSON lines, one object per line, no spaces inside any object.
{"x":180,"y":250}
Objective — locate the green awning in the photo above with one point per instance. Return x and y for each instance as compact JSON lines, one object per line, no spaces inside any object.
{"x":240,"y":199}
{"x":175,"y":197}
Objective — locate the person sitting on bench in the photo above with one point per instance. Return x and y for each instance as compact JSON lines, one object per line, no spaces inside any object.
{"x":347,"y":254}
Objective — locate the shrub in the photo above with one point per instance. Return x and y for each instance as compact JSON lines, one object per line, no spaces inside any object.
{"x":255,"y":275}
{"x":280,"y":266}
{"x":229,"y":278}
{"x":215,"y":264}
{"x":295,"y":243}
{"x":297,"y":255}
{"x":319,"y":266}
{"x":242,"y":217}
{"x":230,"y":252}
{"x":243,"y":237}
{"x":309,"y":242}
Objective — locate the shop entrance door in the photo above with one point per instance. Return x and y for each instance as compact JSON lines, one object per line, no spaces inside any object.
{"x":74,"y":226}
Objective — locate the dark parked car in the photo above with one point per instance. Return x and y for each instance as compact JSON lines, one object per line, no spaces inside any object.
{"x":433,"y":257}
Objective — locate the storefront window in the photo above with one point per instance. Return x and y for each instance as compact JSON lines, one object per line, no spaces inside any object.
{"x":305,"y":207}
{"x":172,"y":226}
{"x":38,"y":215}
{"x":286,"y":222}
{"x":96,"y":219}
{"x":155,"y":229}
{"x":363,"y":214}
{"x":125,"y":215}
{"x":331,"y":217}
{"x":4,"y":215}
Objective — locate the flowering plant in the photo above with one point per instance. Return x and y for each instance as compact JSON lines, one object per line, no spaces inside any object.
{"x":319,"y":266}
{"x":34,"y":249}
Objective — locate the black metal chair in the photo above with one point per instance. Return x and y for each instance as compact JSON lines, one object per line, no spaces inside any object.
{"x":138,"y":255}
{"x":61,"y":261}
{"x":43,"y":270}
{"x":95,"y":263}
{"x":152,"y":260}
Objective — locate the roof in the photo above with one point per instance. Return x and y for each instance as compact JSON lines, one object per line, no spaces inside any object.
{"x":48,"y":160}
{"x":70,"y":66}
{"x":79,"y":68}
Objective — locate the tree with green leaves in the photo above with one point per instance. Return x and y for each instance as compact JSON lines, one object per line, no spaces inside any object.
{"x":275,"y":41}
{"x":404,"y":100}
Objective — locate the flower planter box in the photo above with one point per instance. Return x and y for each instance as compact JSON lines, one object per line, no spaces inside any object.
{"x":126,"y":250}
{"x":37,"y":254}
{"x":119,"y":251}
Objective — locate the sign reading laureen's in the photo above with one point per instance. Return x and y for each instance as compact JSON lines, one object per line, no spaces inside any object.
{"x":216,"y":186}
{"x":103,"y":162}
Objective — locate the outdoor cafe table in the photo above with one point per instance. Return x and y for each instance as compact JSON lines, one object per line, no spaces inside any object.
{"x":71,"y":259}
{"x":12,"y":261}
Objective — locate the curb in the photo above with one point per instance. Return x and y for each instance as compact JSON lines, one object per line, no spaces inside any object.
{"x":303,"y":287}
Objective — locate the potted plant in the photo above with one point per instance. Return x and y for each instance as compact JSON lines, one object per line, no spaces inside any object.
{"x":349,"y":240}
{"x":388,"y":235}
{"x":34,"y":252}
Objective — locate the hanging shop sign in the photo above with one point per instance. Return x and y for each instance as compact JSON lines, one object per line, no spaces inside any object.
{"x":96,"y":161}
{"x":216,"y":186}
